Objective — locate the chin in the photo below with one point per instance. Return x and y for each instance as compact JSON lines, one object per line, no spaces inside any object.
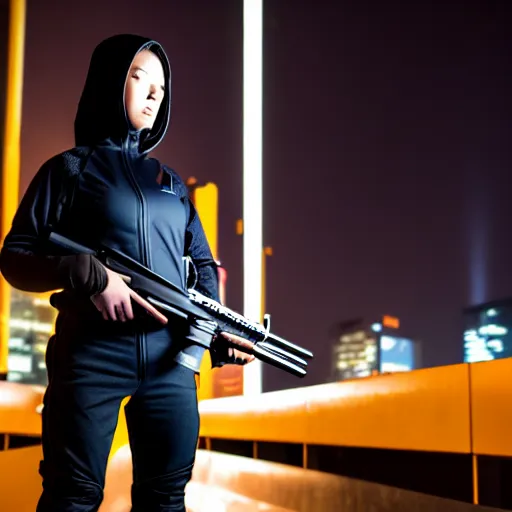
{"x":143,"y":126}
{"x":148,"y":125}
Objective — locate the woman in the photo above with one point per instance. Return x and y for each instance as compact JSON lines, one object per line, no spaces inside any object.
{"x":109,"y":342}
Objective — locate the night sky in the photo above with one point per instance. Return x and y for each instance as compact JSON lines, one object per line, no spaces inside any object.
{"x":386,"y":149}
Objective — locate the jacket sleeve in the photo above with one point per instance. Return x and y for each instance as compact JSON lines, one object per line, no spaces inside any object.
{"x":26,"y":261}
{"x":197,"y":247}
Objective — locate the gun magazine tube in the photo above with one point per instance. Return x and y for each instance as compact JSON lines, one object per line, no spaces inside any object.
{"x":289,"y":346}
{"x":277,"y":361}
{"x":286,"y":355}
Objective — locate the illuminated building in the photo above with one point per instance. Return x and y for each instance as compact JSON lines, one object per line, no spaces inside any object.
{"x":361,"y":349}
{"x":488,"y":331}
{"x":31,"y":324}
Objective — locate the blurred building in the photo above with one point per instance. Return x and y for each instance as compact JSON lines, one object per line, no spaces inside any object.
{"x":31,"y":324}
{"x":363,"y":348}
{"x":488,"y":331}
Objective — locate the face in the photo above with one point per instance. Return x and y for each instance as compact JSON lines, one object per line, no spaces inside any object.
{"x":144,"y":92}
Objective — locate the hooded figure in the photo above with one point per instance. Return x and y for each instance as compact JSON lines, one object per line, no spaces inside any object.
{"x":107,"y":190}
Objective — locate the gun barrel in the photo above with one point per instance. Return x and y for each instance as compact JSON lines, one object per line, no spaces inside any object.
{"x":283,"y":353}
{"x":289,"y":346}
{"x":274,"y":359}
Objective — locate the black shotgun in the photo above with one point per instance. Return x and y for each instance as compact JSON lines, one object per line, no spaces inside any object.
{"x":207,"y":317}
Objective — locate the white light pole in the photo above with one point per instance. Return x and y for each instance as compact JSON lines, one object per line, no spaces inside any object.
{"x":253,"y":175}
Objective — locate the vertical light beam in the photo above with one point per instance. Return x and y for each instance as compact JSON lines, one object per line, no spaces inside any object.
{"x":253,"y":174}
{"x":11,"y":154}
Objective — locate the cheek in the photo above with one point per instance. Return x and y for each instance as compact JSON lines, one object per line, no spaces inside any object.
{"x":128,"y":95}
{"x":132,"y":98}
{"x":160,"y":100}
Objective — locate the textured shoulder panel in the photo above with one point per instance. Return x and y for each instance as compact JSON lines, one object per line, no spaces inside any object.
{"x":69,"y":163}
{"x":72,"y":160}
{"x":63,"y":171}
{"x":179,"y":186}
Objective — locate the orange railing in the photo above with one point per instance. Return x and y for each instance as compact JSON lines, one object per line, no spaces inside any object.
{"x":460,"y":409}
{"x":422,"y":410}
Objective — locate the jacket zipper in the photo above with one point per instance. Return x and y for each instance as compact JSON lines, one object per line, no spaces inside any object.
{"x":143,"y":230}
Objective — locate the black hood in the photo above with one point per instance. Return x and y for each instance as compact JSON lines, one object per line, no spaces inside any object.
{"x":101,"y":114}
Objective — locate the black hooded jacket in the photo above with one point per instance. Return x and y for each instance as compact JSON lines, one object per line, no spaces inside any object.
{"x":106,"y":190}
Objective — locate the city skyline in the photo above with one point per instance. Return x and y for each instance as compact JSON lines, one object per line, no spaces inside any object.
{"x":386,"y":155}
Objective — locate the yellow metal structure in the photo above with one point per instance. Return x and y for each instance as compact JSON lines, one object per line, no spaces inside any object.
{"x":277,"y":416}
{"x":121,"y":433}
{"x":423,"y":410}
{"x":206,"y":199}
{"x":20,"y":406}
{"x":20,"y":485}
{"x":491,"y":413}
{"x":11,"y":153}
{"x":240,"y":227}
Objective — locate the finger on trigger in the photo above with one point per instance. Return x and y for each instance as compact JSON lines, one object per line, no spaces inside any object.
{"x":238,"y":341}
{"x":159,"y":316}
{"x":148,"y":307}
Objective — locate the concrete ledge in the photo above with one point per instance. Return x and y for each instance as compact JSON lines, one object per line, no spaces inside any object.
{"x":311,"y":491}
{"x":200,"y":497}
{"x":209,"y":498}
{"x":224,"y":482}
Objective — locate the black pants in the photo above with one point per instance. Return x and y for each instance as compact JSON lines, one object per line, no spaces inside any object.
{"x":89,"y":375}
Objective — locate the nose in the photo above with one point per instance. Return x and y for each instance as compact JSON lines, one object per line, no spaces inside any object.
{"x":155,"y":93}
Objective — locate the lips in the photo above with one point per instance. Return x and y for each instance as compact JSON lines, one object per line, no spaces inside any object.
{"x":148,"y":111}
